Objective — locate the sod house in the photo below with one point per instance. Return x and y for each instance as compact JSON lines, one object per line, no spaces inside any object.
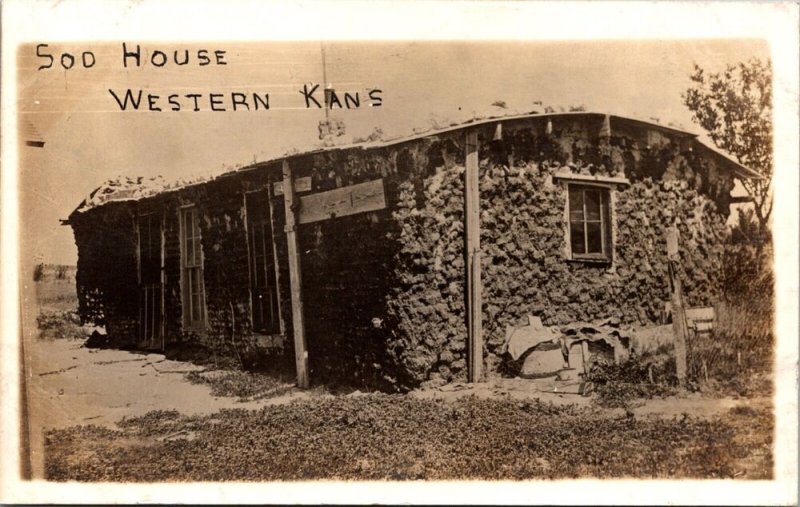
{"x":401,"y":262}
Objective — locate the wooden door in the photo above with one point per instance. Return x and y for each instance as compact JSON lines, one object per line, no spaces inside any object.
{"x":151,"y":297}
{"x":263,"y":277}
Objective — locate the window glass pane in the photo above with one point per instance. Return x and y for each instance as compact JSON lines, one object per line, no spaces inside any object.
{"x":594,"y":237}
{"x":575,"y":204}
{"x":197,"y":252}
{"x":185,"y":233}
{"x":196,"y":279}
{"x":189,"y":252}
{"x":196,"y":307}
{"x":257,"y":275}
{"x":592,"y":205}
{"x":576,"y":238}
{"x":187,"y":301}
{"x":192,"y":270}
{"x":198,"y":247}
{"x":258,"y":241}
{"x":576,"y":216}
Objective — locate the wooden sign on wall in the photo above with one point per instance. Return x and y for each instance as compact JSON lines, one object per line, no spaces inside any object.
{"x":359,"y":198}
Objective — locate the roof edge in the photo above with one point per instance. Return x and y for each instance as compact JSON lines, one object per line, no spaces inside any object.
{"x":738,"y":169}
{"x":464,"y":125}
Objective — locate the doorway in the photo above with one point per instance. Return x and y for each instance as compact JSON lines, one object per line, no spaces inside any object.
{"x":263,"y":275}
{"x":151,"y":297}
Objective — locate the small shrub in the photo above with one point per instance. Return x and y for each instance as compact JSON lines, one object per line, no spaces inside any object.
{"x":745,"y":411}
{"x":647,"y":376}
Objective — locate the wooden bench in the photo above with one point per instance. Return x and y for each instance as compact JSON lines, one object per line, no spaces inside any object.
{"x":701,"y":320}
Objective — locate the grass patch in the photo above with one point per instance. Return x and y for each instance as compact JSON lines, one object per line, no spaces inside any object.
{"x":60,"y":324}
{"x":244,"y":385}
{"x":56,"y":295}
{"x":651,"y":375}
{"x":395,"y":437}
{"x":737,"y":359}
{"x":58,"y":317}
{"x":753,"y":440}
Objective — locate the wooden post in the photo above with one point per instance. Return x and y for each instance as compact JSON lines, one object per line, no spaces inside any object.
{"x":678,"y":312}
{"x":295,"y":278}
{"x":585,"y":355}
{"x":163,"y":280}
{"x":473,"y":260}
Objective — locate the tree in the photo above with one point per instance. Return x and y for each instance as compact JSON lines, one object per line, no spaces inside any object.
{"x":38,"y":272}
{"x":735,"y":108}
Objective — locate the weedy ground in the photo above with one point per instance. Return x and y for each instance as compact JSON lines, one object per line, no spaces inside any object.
{"x":401,"y":437}
{"x":246,"y":386}
{"x":397,"y":437}
{"x":58,"y":316}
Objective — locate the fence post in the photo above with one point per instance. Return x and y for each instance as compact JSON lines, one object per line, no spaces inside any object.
{"x":679,"y":327}
{"x":473,"y":258}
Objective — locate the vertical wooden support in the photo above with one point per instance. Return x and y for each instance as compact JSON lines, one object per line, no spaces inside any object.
{"x":585,"y":355}
{"x":271,"y":204}
{"x":295,"y":278}
{"x":678,"y":312}
{"x":163,"y":280}
{"x":473,"y":260}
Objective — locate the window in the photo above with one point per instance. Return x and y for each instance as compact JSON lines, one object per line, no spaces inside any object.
{"x":589,"y":223}
{"x":192,"y":270}
{"x":263,"y":277}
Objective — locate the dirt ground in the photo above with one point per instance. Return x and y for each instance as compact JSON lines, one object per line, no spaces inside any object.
{"x":70,"y":385}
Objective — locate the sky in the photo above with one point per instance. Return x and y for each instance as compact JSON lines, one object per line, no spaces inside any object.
{"x":89,"y":140}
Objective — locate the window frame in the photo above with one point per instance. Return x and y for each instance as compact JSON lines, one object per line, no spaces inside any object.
{"x":190,"y":269}
{"x":610,"y":183}
{"x":605,"y":221}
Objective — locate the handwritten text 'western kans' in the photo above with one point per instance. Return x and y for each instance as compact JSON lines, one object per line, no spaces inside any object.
{"x":311,"y":96}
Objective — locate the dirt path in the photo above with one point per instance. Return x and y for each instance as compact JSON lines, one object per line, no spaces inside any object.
{"x":694,"y":404}
{"x":69,"y":385}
